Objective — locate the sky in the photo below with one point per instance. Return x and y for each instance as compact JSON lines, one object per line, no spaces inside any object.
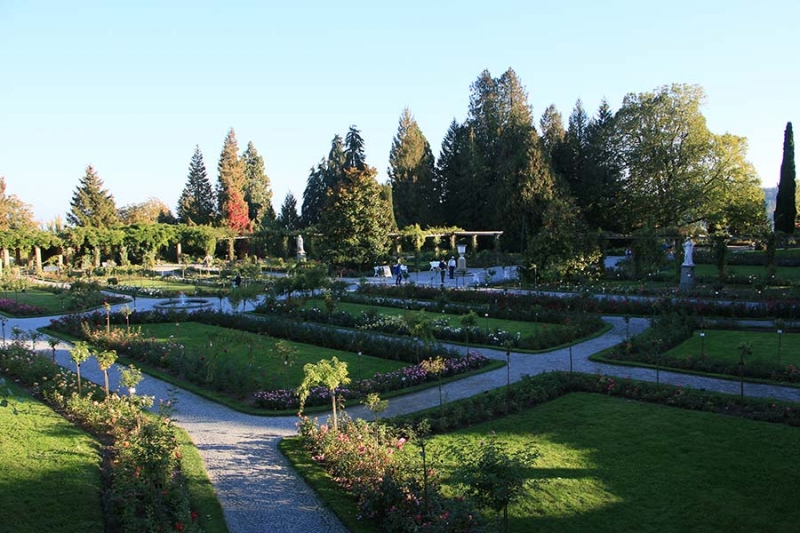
{"x":131,"y":87}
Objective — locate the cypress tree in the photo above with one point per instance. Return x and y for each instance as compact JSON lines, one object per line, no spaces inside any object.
{"x":785,"y":206}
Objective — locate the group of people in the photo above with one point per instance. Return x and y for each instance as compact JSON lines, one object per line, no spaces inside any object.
{"x":444,"y":268}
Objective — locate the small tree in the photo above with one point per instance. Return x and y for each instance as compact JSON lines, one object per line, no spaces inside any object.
{"x":435,"y":366}
{"x":104,"y":360}
{"x":494,"y":475}
{"x":129,"y":377}
{"x":375,"y":405}
{"x":79,"y":353}
{"x":470,"y":320}
{"x":328,"y":373}
{"x":53,"y":342}
{"x":286,"y":353}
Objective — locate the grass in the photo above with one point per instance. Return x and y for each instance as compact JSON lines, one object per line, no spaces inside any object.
{"x":240,"y":346}
{"x":526,"y":329}
{"x":53,"y":304}
{"x":609,"y":464}
{"x":49,"y":471}
{"x":723,"y":345}
{"x":201,"y":492}
{"x":329,"y":492}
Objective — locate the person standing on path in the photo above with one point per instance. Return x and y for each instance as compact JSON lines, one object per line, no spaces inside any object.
{"x":398,"y":272}
{"x":442,"y":269}
{"x":451,"y":266}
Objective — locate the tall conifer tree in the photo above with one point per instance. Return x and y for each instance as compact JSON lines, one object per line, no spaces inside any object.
{"x":411,"y":170}
{"x":257,"y":189}
{"x":197,"y":203}
{"x":785,"y":206}
{"x":231,"y":178}
{"x":91,"y":205}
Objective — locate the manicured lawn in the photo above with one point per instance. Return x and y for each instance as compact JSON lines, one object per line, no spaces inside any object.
{"x":239,"y":347}
{"x":616,"y":465}
{"x":609,"y":464}
{"x":49,"y":471}
{"x":526,"y":329}
{"x":52,"y":303}
{"x":724,"y":345}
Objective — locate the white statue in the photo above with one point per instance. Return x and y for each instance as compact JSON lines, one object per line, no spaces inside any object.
{"x":688,"y":249}
{"x":300,"y":245}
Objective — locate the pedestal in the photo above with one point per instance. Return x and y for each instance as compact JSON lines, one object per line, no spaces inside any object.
{"x":301,"y":256}
{"x":687,"y":277}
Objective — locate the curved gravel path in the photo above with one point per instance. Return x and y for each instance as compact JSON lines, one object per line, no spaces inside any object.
{"x":260,"y":492}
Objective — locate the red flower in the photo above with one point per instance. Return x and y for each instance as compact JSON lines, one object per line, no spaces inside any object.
{"x":194,"y":516}
{"x":179,"y":526}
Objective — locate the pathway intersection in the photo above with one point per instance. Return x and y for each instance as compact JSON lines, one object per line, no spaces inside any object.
{"x":260,"y":492}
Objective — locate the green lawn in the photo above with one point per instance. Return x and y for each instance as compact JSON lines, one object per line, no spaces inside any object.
{"x":240,"y":346}
{"x":526,"y":329}
{"x":49,"y":471}
{"x":616,"y":465}
{"x":52,"y":303}
{"x":724,"y":346}
{"x":610,"y":465}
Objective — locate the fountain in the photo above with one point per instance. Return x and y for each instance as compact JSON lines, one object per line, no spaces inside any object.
{"x":182,"y":303}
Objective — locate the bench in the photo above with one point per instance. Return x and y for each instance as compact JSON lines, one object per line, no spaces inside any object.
{"x":382,"y":271}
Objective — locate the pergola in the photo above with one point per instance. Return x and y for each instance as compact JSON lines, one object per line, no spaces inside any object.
{"x":452,"y":236}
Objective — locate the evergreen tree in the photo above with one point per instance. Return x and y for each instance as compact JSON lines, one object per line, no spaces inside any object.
{"x":785,"y":206}
{"x":197,"y":202}
{"x":354,"y":150}
{"x":552,"y":126}
{"x":411,"y":171}
{"x":602,"y":200}
{"x":355,"y":226}
{"x":257,"y":190}
{"x":513,"y":176}
{"x":91,"y":205}
{"x":456,"y":179}
{"x":231,"y":178}
{"x":288,"y":218}
{"x":314,"y":195}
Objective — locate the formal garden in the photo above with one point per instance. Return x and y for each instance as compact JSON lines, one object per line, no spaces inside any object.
{"x":278,"y":348}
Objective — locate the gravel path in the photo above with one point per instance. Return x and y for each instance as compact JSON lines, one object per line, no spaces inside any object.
{"x":260,"y":492}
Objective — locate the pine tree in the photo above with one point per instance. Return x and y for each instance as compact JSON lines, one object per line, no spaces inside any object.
{"x":257,"y":190}
{"x":411,"y":171}
{"x":785,"y":206}
{"x":553,"y":133}
{"x":456,"y":179}
{"x":91,"y":205}
{"x":513,"y":176}
{"x":231,"y":178}
{"x":197,"y":204}
{"x":288,"y":218}
{"x":314,"y":195}
{"x":355,"y":226}
{"x":354,"y":150}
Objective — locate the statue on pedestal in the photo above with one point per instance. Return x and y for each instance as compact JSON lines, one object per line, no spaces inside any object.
{"x":688,"y":250}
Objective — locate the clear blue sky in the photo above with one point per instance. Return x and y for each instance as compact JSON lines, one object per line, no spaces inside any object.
{"x":132,"y":87}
